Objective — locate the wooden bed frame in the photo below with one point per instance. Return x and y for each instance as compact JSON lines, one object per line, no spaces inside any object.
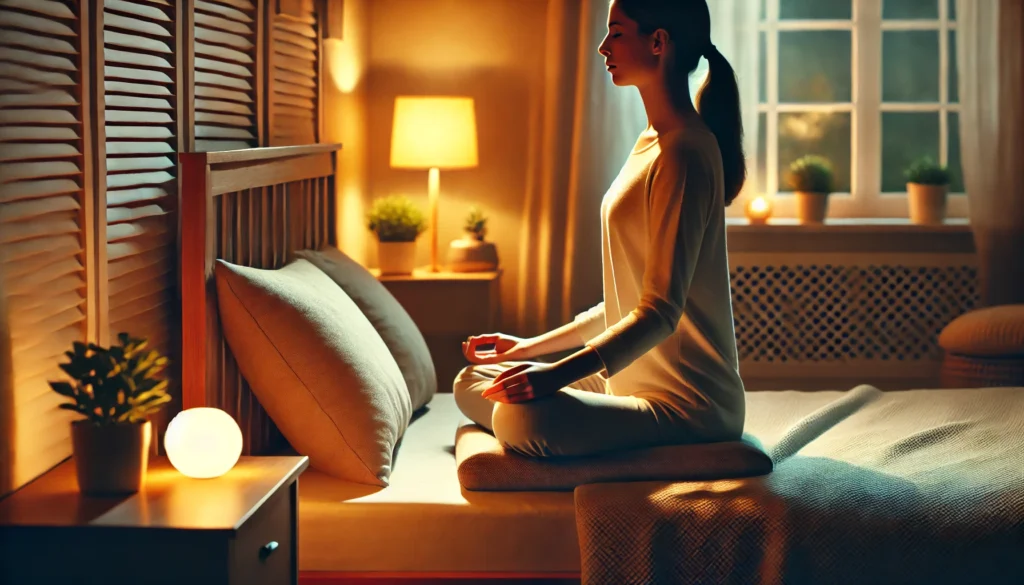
{"x":256,"y":207}
{"x":252,"y":207}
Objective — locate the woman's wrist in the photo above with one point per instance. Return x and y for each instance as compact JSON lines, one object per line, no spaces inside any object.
{"x":583,"y":363}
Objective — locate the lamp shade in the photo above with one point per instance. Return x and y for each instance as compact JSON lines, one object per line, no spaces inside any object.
{"x":434,"y":132}
{"x":203,"y":442}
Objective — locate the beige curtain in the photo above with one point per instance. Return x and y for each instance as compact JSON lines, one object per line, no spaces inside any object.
{"x":582,"y":129}
{"x":990,"y":58}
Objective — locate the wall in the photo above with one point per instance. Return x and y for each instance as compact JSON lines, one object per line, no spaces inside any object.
{"x":346,"y":61}
{"x":491,"y":50}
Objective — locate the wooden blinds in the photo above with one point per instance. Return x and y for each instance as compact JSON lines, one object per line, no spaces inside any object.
{"x":226,"y":79}
{"x":141,"y":127}
{"x":44,"y":221}
{"x":295,"y":48}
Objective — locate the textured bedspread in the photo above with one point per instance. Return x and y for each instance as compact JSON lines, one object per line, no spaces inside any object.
{"x":923,"y":486}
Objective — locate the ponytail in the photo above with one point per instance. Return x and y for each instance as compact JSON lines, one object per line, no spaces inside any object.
{"x":718,"y":102}
{"x":688,"y":23}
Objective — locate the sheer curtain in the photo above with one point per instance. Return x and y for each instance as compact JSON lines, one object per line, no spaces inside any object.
{"x":990,"y":59}
{"x":583,"y":128}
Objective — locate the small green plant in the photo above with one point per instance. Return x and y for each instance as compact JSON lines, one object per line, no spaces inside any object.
{"x":925,"y":171}
{"x":115,"y":385}
{"x":476,"y":223}
{"x":396,"y":219}
{"x":811,"y":174}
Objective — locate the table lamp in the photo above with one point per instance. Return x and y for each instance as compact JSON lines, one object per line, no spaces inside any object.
{"x":433,"y":133}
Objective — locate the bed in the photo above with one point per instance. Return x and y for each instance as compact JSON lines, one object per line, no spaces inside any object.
{"x":918,"y":486}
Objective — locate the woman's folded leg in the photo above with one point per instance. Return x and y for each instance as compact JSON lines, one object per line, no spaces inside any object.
{"x":579,"y":420}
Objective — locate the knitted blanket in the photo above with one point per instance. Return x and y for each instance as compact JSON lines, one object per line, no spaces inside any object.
{"x":923,"y":486}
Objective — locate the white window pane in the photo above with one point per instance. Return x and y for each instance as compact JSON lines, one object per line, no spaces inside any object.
{"x":910,"y":9}
{"x":816,"y":9}
{"x":762,"y":153}
{"x":906,"y":137}
{"x":954,"y":81}
{"x":956,"y":179}
{"x":814,"y":66}
{"x":819,"y":133}
{"x":762,"y":77}
{"x":764,"y":10}
{"x":910,"y":66}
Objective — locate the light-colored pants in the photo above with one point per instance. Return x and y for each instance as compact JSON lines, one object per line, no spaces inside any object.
{"x":579,"y":420}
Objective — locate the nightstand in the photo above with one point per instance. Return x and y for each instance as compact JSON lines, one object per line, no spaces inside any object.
{"x":239,"y":528}
{"x":448,"y":307}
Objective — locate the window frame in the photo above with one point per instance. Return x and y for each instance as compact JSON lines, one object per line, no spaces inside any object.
{"x":866,"y":198}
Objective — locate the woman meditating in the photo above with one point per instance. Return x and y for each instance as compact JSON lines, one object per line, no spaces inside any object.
{"x":657,"y":359}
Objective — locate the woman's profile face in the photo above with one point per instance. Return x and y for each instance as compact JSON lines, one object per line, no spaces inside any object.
{"x":628,"y":54}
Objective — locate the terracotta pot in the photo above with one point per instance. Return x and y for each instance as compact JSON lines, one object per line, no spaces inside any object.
{"x":811,"y":207}
{"x":111,"y":460}
{"x":927,"y":203}
{"x":471,"y":254}
{"x":396,"y":257}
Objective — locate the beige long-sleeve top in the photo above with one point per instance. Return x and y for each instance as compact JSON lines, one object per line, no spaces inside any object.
{"x":665,"y":329}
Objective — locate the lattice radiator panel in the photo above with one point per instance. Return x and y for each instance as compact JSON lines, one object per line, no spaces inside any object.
{"x":822,"y":313}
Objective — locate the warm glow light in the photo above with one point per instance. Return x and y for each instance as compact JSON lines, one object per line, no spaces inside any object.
{"x":758,"y":210}
{"x":344,"y":63}
{"x":434,"y":132}
{"x":203,"y":442}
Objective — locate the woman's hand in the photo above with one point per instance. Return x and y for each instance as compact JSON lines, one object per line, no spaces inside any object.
{"x":507,"y":348}
{"x":523,"y":383}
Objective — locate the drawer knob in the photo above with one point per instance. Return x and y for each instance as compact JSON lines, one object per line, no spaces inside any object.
{"x":267,"y":549}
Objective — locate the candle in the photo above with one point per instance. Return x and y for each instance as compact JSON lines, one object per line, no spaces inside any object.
{"x":758,"y":210}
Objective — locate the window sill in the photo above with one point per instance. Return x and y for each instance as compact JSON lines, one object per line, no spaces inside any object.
{"x":854,"y":235}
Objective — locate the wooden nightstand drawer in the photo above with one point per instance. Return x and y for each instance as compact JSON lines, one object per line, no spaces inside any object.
{"x":264,"y":550}
{"x":177,"y":530}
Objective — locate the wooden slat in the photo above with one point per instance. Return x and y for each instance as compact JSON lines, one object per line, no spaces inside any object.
{"x":44,"y":212}
{"x":141,"y":139}
{"x":294,"y":109}
{"x":225,"y":78}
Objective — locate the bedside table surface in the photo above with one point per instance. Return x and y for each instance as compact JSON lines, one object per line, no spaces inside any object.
{"x":169,"y":499}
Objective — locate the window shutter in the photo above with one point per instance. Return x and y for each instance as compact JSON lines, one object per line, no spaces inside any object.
{"x":44,"y":217}
{"x":295,"y":48}
{"x":141,"y":128}
{"x":226,"y":75}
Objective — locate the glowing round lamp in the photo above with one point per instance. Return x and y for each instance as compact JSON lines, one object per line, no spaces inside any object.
{"x":203,"y":442}
{"x":759,"y":209}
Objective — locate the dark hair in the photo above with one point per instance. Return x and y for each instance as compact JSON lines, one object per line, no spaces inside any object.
{"x":688,"y":23}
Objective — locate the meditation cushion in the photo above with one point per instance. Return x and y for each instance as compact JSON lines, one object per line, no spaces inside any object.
{"x":984,"y":348}
{"x":317,"y":366}
{"x":392,"y":322}
{"x":485,"y":465}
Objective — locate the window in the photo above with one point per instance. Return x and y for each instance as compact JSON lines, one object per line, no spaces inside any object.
{"x":869,"y":84}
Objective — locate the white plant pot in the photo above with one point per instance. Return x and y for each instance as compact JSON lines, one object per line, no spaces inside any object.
{"x":811,"y":207}
{"x":396,"y":257}
{"x":927,"y":203}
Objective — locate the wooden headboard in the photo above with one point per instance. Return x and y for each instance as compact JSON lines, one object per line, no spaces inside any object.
{"x":252,"y":207}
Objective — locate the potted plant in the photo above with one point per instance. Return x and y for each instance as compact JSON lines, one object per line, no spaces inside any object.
{"x":397,"y":223}
{"x":811,"y":179}
{"x":115,"y":389}
{"x":472,"y":253}
{"x":927,"y":190}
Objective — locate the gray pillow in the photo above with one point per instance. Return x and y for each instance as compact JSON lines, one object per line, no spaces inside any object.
{"x":391,"y":321}
{"x":317,"y":366}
